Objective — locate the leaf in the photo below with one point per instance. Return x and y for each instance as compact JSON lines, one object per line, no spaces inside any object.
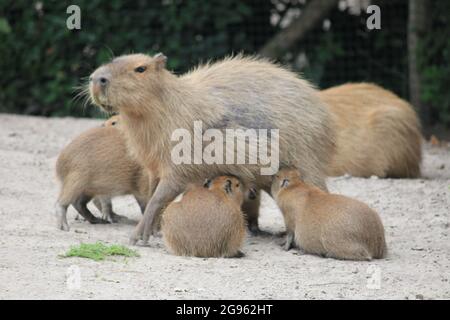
{"x":4,"y":26}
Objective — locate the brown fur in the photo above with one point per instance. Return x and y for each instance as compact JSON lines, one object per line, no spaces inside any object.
{"x":97,"y":164}
{"x":327,"y":224}
{"x":206,"y":221}
{"x":234,"y":93}
{"x":378,"y":133}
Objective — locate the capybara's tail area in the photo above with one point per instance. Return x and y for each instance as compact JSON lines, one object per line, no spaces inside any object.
{"x":402,"y":142}
{"x":346,"y":248}
{"x":70,"y":190}
{"x":380,"y":248}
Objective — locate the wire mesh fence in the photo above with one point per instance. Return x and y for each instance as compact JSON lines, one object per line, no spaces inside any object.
{"x":337,"y":48}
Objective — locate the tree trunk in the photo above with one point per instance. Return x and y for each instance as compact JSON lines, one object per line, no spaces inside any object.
{"x":313,"y":13}
{"x":417,"y":28}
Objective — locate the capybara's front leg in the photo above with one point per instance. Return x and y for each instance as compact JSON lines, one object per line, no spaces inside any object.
{"x":165,"y":192}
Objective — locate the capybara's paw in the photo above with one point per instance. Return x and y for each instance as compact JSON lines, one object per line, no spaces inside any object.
{"x":281,"y":234}
{"x":239,"y":254}
{"x":254,"y":229}
{"x":64,"y":227}
{"x":98,"y":221}
{"x":115,"y":218}
{"x":287,"y":245}
{"x":257,"y":232}
{"x":135,"y":237}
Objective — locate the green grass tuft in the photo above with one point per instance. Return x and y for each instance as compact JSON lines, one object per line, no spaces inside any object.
{"x":99,"y":251}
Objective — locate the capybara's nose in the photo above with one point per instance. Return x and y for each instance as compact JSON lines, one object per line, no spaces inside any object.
{"x":100,"y":80}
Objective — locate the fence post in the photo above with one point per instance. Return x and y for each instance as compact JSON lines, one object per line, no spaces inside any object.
{"x":417,"y":27}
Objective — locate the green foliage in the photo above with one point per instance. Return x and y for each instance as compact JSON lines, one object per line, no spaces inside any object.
{"x":41,"y":61}
{"x":434,"y":62}
{"x":99,"y":251}
{"x":347,"y":51}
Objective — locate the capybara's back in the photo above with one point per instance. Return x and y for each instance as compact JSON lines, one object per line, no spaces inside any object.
{"x":355,"y":223}
{"x":378,"y":133}
{"x":97,"y":163}
{"x":251,"y":93}
{"x":327,"y":224}
{"x":204,"y":222}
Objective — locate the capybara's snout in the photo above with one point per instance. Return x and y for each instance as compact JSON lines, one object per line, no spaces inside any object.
{"x":99,"y":81}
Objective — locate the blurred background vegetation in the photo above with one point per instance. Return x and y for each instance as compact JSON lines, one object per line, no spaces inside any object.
{"x":42,"y":62}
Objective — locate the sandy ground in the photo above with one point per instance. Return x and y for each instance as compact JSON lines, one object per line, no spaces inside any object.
{"x":415,"y":213}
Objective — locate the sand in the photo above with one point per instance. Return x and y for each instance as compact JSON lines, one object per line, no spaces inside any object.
{"x":415,"y":214}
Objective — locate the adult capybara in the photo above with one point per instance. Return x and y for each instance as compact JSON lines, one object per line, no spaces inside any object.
{"x":206,"y":221}
{"x":97,"y":164}
{"x":377,"y":133}
{"x":327,"y":224}
{"x":235,"y":93}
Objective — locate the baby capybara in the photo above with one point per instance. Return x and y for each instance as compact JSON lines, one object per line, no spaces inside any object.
{"x":235,"y":93}
{"x":206,"y":221}
{"x":97,"y":164}
{"x":377,"y":132}
{"x":326,"y":224}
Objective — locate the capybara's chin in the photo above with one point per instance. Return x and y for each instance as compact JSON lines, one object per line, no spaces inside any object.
{"x":100,"y":99}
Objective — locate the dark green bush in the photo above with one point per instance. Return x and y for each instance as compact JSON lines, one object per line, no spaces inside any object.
{"x":42,"y":61}
{"x":435,"y":63}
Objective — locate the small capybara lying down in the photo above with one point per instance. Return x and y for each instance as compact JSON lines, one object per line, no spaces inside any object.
{"x":378,"y":133}
{"x":237,"y":93}
{"x":97,"y":165}
{"x":327,"y":224}
{"x":206,"y":221}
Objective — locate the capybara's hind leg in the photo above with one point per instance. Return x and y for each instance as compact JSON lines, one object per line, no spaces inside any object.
{"x":107,"y":209}
{"x":61,"y":216}
{"x":81,"y":206}
{"x":238,"y":254}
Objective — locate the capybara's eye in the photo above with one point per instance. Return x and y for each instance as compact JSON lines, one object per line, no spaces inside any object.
{"x":140,"y":69}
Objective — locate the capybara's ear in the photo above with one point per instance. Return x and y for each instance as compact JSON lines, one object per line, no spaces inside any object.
{"x":227,"y":186}
{"x":207,"y":183}
{"x":284,"y":183}
{"x":160,"y":60}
